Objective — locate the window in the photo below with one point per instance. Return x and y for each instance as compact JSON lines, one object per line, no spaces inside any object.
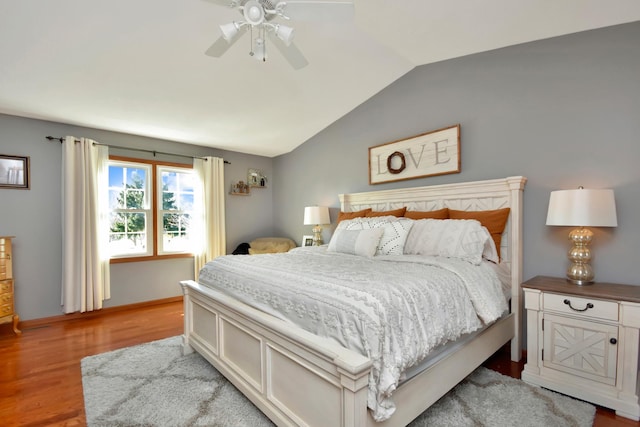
{"x":151,"y":207}
{"x":176,"y":191}
{"x":129,"y":209}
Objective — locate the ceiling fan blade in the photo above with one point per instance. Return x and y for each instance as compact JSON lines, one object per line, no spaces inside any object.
{"x":320,"y":10}
{"x":229,"y":3}
{"x":291,"y":53}
{"x":218,"y":48}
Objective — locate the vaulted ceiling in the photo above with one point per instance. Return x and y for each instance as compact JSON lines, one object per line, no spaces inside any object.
{"x":139,"y":66}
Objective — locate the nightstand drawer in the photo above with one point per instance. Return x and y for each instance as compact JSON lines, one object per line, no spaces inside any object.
{"x":577,"y":306}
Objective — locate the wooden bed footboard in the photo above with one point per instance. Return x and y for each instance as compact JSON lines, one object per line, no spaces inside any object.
{"x":293,"y":376}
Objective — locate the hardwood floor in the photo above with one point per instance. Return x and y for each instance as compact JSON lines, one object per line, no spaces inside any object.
{"x":40,"y":379}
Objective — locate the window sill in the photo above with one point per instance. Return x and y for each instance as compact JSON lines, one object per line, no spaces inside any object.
{"x":148,"y":258}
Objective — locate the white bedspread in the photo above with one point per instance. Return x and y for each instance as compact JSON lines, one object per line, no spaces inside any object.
{"x":394,"y":310}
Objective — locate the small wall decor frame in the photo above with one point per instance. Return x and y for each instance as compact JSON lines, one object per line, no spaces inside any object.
{"x":240,"y":188}
{"x":256,"y":178}
{"x":307,"y":240}
{"x":14,"y":172}
{"x":428,"y":154}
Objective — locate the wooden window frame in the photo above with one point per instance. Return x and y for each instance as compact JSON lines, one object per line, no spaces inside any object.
{"x":154,"y":211}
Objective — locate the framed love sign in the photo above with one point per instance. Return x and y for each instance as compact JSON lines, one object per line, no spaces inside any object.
{"x":428,"y":154}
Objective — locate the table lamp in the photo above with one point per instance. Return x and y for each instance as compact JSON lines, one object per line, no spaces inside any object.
{"x":581,"y":208}
{"x":316,"y":216}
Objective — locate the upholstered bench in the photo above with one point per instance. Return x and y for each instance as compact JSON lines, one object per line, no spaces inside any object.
{"x":271,"y":245}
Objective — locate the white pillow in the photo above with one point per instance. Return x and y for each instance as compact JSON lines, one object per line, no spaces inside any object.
{"x":355,"y":242}
{"x":453,"y":238}
{"x":490,"y":252}
{"x":395,"y":233}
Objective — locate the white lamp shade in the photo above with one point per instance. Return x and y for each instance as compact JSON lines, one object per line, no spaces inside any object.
{"x":582,"y":208}
{"x":316,"y":215}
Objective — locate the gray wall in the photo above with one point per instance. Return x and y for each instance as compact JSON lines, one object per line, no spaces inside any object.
{"x":563,"y":112}
{"x":34,"y":216}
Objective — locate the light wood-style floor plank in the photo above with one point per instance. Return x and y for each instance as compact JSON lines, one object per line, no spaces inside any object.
{"x":40,"y":378}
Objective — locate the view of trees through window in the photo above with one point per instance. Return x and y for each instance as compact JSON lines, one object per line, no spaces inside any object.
{"x":130,"y":205}
{"x":177,"y":208}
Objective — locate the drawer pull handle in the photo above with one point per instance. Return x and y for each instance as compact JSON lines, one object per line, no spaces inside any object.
{"x":589,"y":305}
{"x":613,"y":341}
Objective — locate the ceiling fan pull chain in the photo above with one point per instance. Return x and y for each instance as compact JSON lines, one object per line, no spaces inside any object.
{"x":264,"y":47}
{"x":251,"y":40}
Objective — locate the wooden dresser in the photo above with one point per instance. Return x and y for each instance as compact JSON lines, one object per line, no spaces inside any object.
{"x":7,"y":306}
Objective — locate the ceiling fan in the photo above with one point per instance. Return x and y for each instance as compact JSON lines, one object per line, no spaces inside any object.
{"x":257,"y":19}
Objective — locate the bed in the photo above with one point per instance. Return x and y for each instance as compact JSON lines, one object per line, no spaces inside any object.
{"x":298,"y":378}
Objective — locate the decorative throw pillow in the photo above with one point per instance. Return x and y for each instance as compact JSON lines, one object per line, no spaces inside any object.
{"x":494,"y":220}
{"x":396,"y":212}
{"x":437,"y":214}
{"x":463,"y":239}
{"x":350,"y":215}
{"x":394,"y":236}
{"x":355,"y":242}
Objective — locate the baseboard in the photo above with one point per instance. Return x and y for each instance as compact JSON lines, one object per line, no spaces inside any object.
{"x":35,"y":323}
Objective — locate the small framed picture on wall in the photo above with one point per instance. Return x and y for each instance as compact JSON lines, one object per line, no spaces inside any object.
{"x":14,"y":172}
{"x":307,"y":240}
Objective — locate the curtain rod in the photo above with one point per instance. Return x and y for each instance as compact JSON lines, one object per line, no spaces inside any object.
{"x":154,"y":152}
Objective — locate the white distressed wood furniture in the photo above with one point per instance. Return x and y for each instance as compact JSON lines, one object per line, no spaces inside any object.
{"x":7,"y":299}
{"x":299,"y":379}
{"x":583,"y":341}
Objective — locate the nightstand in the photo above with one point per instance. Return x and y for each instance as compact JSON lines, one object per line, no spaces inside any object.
{"x":583,"y":341}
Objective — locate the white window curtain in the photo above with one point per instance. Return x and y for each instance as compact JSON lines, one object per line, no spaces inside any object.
{"x":85,"y":268}
{"x":210,"y":172}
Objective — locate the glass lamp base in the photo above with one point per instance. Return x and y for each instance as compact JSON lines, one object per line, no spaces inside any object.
{"x":580,"y":271}
{"x":317,"y":235}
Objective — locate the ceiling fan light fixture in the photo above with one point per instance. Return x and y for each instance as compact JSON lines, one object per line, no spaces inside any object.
{"x":253,"y":12}
{"x":258,"y":15}
{"x":284,"y":33}
{"x":230,"y":30}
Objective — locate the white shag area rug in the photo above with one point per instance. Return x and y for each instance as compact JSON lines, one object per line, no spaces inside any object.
{"x":153,"y":384}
